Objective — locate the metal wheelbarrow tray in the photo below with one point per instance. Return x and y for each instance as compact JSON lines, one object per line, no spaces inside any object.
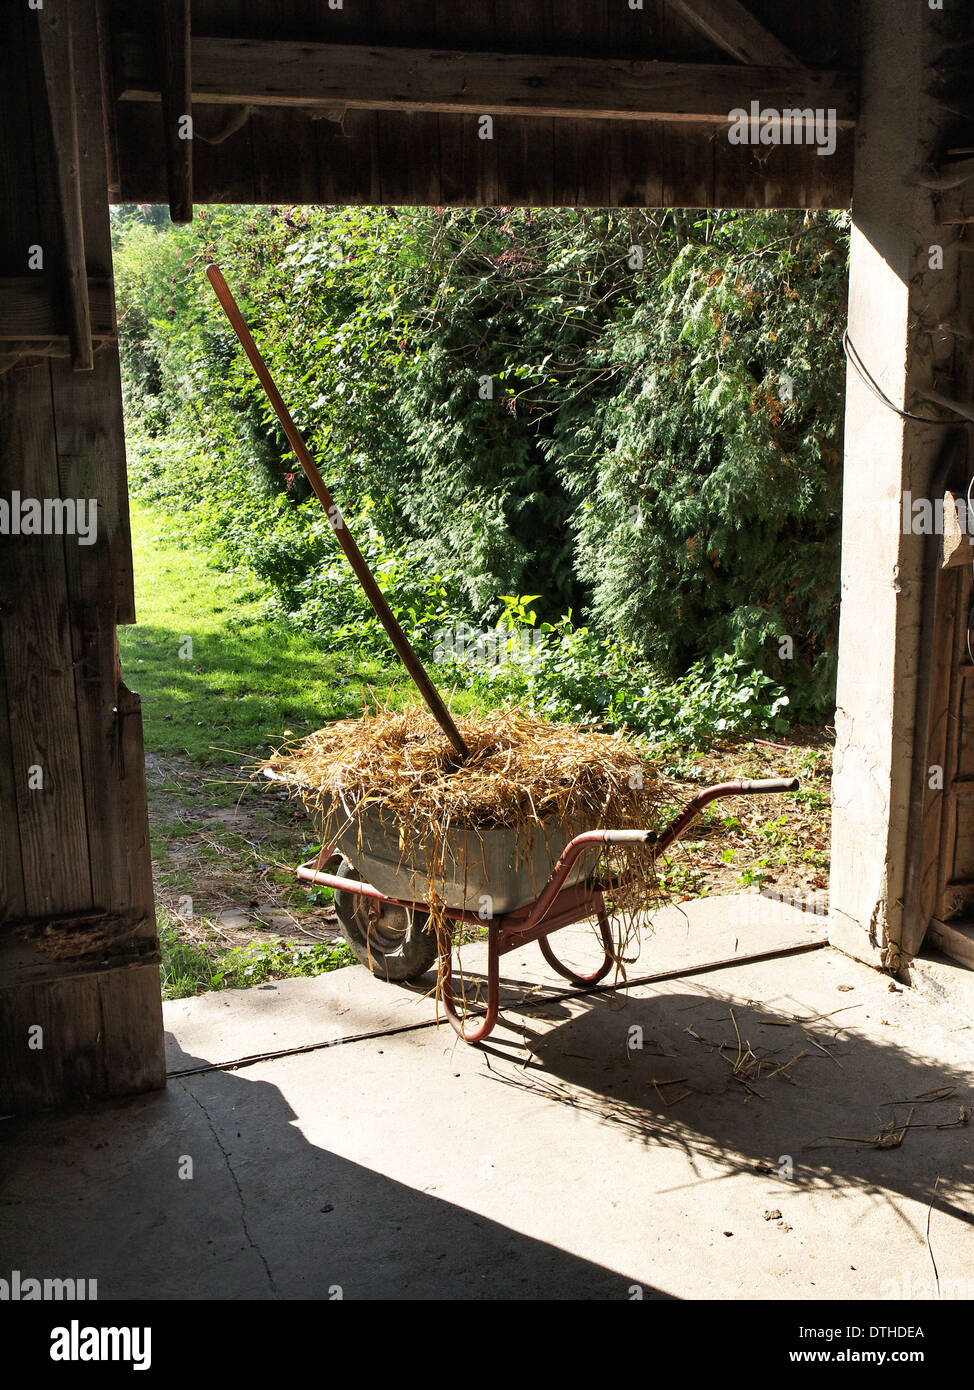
{"x":384,"y":911}
{"x":488,"y":871}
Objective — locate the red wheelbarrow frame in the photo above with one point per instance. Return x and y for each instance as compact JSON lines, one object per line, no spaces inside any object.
{"x":556,"y":906}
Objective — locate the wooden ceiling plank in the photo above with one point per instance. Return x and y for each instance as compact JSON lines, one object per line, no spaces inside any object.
{"x":355,"y":76}
{"x":30,"y":308}
{"x":733,"y":28}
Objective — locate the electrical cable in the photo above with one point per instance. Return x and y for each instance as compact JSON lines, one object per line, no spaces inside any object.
{"x":852,"y":353}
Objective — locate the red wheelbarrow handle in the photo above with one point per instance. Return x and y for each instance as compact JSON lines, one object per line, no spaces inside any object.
{"x":662,"y":839}
{"x":658,"y":839}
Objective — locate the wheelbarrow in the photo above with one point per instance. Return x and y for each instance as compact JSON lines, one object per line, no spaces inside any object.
{"x":393,"y":936}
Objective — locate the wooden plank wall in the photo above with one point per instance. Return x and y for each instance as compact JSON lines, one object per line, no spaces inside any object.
{"x":78,"y":949}
{"x":390,"y":157}
{"x":943,"y":832}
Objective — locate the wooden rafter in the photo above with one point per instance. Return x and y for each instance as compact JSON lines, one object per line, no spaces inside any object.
{"x":353,"y":76}
{"x":54,"y":27}
{"x":732,"y":27}
{"x":103,"y":27}
{"x":175,"y":61}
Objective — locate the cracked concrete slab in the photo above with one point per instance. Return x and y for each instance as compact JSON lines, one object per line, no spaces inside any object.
{"x":769,"y":1130}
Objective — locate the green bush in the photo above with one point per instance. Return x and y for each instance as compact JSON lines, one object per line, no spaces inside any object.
{"x":572,"y":674}
{"x":659,"y":454}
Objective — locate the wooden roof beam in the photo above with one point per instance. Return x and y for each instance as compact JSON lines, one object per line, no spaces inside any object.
{"x":175,"y":64}
{"x":107,"y":75}
{"x":732,"y":27}
{"x":54,"y":27}
{"x":280,"y":73}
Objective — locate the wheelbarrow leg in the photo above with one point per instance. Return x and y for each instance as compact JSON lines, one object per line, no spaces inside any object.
{"x":605,"y":931}
{"x":486,"y":1024}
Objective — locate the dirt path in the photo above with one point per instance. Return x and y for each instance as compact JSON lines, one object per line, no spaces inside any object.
{"x":224,"y":851}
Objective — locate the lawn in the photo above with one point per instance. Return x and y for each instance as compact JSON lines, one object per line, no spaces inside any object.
{"x":219,"y":673}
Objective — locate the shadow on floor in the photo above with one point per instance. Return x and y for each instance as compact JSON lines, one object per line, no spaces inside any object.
{"x":265,"y":1213}
{"x":843,"y":1111}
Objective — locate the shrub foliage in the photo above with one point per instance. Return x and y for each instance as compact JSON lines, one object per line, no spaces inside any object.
{"x":633,"y":417}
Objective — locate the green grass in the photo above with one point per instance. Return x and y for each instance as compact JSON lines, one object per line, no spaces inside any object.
{"x":247,"y":678}
{"x":188,"y":967}
{"x":248,"y":681}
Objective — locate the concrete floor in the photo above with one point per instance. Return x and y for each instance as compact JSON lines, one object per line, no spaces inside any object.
{"x":563,"y":1162}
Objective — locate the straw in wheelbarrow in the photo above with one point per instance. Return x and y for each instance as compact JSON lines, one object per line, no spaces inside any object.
{"x":521,"y":772}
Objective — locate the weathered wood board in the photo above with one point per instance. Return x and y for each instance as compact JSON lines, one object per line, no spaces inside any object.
{"x":78,"y":948}
{"x":563,"y":82}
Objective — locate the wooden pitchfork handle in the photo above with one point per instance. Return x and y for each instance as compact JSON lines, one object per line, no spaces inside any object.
{"x":356,"y":559}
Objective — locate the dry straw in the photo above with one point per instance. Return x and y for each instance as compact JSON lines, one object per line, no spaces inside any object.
{"x":521,"y":773}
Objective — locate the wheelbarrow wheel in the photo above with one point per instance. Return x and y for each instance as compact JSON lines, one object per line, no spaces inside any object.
{"x":395,"y":943}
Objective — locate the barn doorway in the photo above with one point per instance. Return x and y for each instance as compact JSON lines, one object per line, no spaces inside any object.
{"x":610,"y":295}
